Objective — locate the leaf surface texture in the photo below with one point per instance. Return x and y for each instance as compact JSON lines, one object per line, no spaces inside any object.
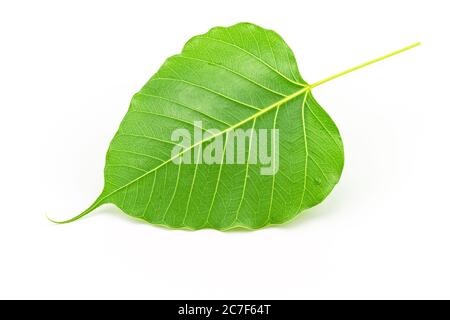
{"x":238,"y":77}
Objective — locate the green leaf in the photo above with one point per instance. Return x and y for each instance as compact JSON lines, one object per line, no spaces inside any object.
{"x":240,"y":77}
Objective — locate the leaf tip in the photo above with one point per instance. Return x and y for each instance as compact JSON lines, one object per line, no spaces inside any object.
{"x":81,"y":215}
{"x":53,"y":221}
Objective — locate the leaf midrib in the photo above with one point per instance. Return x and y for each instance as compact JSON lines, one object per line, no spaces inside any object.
{"x":235,"y":126}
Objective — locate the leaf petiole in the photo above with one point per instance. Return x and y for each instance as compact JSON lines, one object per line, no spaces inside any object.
{"x":337,"y":75}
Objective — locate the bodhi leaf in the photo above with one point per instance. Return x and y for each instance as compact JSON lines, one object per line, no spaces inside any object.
{"x":239,"y":77}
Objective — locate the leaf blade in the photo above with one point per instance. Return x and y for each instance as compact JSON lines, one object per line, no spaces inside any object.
{"x":253,"y":84}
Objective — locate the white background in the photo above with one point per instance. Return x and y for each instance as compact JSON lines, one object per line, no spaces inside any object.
{"x":67,"y":72}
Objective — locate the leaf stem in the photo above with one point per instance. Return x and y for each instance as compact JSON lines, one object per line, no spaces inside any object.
{"x":337,"y":75}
